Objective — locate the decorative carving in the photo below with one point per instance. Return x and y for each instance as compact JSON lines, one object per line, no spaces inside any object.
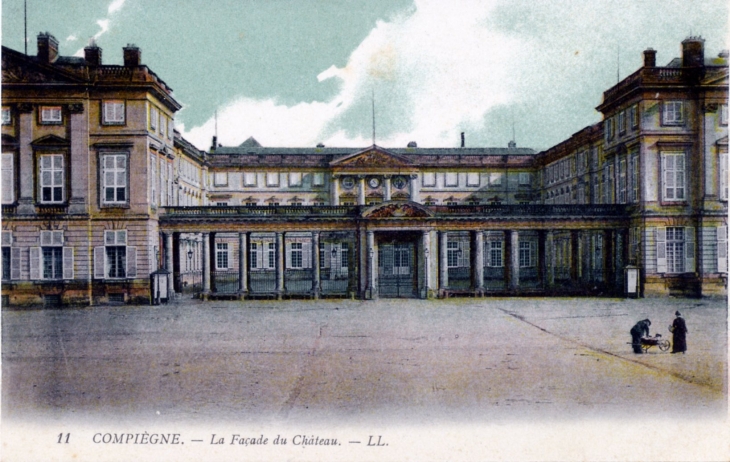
{"x":374,"y":159}
{"x":76,"y":108}
{"x":24,"y":108}
{"x":711,"y":107}
{"x":398,"y":210}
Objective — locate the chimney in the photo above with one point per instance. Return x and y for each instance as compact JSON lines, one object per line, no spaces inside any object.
{"x":650,"y":57}
{"x":693,"y":52}
{"x":47,"y":48}
{"x":214,"y":143}
{"x":92,"y":54}
{"x":462,"y":139}
{"x":512,"y":145}
{"x":412,"y":144}
{"x":132,"y":56}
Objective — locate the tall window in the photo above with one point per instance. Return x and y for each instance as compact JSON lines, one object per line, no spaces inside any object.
{"x":154,"y":118}
{"x":51,"y":178}
{"x":452,"y":254}
{"x":344,"y":255}
{"x":673,"y":113}
{"x":113,"y":113}
{"x":7,"y":242}
{"x":221,"y":255}
{"x":608,"y":128}
{"x":271,"y":254}
{"x":495,"y":254}
{"x":52,"y":254}
{"x":675,"y":250}
{"x":115,"y":260}
{"x":622,"y":122}
{"x":8,"y":178}
{"x":723,"y":177}
{"x":153,"y":179}
{"x":114,"y":179}
{"x":673,"y":175}
{"x":634,"y":176}
{"x":524,"y":179}
{"x":296,"y":257}
{"x":51,"y":115}
{"x":723,"y":114}
{"x":622,"y":181}
{"x":634,"y":115}
{"x":526,"y":254}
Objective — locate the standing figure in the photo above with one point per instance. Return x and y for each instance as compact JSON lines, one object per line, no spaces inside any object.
{"x":679,"y":334}
{"x":640,"y":329}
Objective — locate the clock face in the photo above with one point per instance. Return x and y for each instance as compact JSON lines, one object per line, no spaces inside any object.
{"x":348,"y":182}
{"x":374,"y":182}
{"x":399,"y":182}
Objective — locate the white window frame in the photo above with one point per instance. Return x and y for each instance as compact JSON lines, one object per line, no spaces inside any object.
{"x":634,"y":115}
{"x":472,"y":179}
{"x":272,"y":179}
{"x":295,"y":179}
{"x":451,"y":179}
{"x":220,"y":178}
{"x":50,"y":172}
{"x":222,"y":256}
{"x":8,"y":177}
{"x":526,"y":254}
{"x":674,"y":178}
{"x":723,"y":176}
{"x":102,"y":266}
{"x":622,"y":122}
{"x":118,"y":173}
{"x":154,"y":118}
{"x":51,"y":114}
{"x":673,"y":113}
{"x":249,"y":178}
{"x":114,"y":112}
{"x":524,"y":179}
{"x":429,"y":179}
{"x":296,"y":255}
{"x":318,"y":179}
{"x":170,"y":128}
{"x":495,"y":254}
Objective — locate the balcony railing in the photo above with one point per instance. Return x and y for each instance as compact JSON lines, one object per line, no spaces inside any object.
{"x":531,"y":210}
{"x":248,"y":211}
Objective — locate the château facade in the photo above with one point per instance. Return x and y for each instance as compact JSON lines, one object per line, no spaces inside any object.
{"x":99,"y":191}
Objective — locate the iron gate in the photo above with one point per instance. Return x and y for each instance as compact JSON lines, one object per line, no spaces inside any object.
{"x":397,"y":270}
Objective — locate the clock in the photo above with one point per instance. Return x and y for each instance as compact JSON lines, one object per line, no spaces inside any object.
{"x":348,"y":182}
{"x":374,"y":182}
{"x":399,"y":182}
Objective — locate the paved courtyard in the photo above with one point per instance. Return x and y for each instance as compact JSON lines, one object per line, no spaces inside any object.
{"x":391,"y":362}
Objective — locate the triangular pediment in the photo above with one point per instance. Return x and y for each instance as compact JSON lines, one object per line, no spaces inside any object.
{"x":397,"y":209}
{"x":51,"y":141}
{"x":373,"y":157}
{"x":722,"y":141}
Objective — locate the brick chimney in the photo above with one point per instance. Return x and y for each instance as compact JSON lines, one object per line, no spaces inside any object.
{"x":693,"y":52}
{"x":92,"y":54}
{"x":132,"y":56}
{"x":47,"y":48}
{"x":650,"y":57}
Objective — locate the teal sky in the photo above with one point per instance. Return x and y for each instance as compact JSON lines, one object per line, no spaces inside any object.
{"x":295,"y":73}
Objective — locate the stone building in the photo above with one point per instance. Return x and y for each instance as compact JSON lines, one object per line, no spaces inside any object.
{"x":99,"y":191}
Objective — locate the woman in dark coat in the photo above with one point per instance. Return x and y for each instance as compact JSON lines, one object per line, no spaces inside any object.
{"x":679,"y":334}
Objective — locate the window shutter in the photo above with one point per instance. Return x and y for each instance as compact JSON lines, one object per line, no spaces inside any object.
{"x":723,"y":176}
{"x":722,"y":249}
{"x":288,"y":255}
{"x":131,"y":262}
{"x":327,"y":255}
{"x":7,"y":238}
{"x":689,"y":249}
{"x":15,"y":263}
{"x":661,"y":250}
{"x":68,"y":262}
{"x":8,"y":183}
{"x":99,"y":262}
{"x":57,"y":238}
{"x":46,"y":238}
{"x":35,"y":263}
{"x":307,"y":254}
{"x":464,"y":261}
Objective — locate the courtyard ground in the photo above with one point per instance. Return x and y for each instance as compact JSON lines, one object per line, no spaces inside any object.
{"x":385,"y":366}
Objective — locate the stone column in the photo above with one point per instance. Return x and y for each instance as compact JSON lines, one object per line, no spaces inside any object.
{"x":242,"y":264}
{"x":540,"y":263}
{"x":426,"y":244}
{"x":514,"y":261}
{"x":372,"y":289}
{"x":361,"y":190}
{"x":443,"y":261}
{"x":574,"y":256}
{"x":315,"y":264}
{"x":279,"y":264}
{"x":334,"y":191}
{"x":415,"y":188}
{"x":550,"y":258}
{"x":169,"y":260}
{"x":25,"y":167}
{"x":478,"y":267}
{"x":386,"y":187}
{"x":608,"y":258}
{"x":206,"y":263}
{"x":79,"y":160}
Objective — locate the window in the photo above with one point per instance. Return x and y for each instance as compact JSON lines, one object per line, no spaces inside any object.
{"x":622,"y":181}
{"x":52,"y":254}
{"x":673,"y":113}
{"x":495,"y":254}
{"x":296,"y":258}
{"x":113,"y":113}
{"x":8,"y":178}
{"x":524,"y":179}
{"x":622,"y":122}
{"x":114,"y":179}
{"x":272,"y":179}
{"x":6,"y":256}
{"x":153,"y":179}
{"x":170,"y":128}
{"x":526,"y":254}
{"x":495,"y":178}
{"x":472,"y":179}
{"x":115,"y":260}
{"x":634,"y":115}
{"x":271,"y":254}
{"x":7,"y":116}
{"x":429,"y":179}
{"x":608,"y":128}
{"x":253,"y":256}
{"x":154,"y":118}
{"x":452,"y":179}
{"x":163,"y":125}
{"x":723,"y":114}
{"x":295,"y":179}
{"x":251,"y":204}
{"x":52,"y":182}
{"x":220,"y":179}
{"x":721,"y":250}
{"x":452,"y":254}
{"x":344,"y":255}
{"x":723,"y":177}
{"x":51,"y":115}
{"x":318,"y":179}
{"x":675,"y":249}
{"x":249,"y":178}
{"x":221,"y":204}
{"x":673,"y":175}
{"x":221,"y":255}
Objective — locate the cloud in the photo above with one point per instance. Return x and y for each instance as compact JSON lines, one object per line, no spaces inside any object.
{"x":115,"y":6}
{"x":104,"y":23}
{"x":71,"y":38}
{"x":434,"y":70}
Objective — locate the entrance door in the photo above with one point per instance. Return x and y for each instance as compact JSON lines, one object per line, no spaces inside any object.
{"x":397,"y":275}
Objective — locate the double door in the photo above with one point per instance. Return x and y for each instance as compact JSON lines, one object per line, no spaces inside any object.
{"x":397,"y":274}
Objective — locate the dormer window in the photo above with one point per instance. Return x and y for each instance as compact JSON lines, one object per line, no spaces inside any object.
{"x":51,"y":115}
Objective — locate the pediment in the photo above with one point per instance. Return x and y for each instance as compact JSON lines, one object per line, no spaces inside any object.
{"x":372,"y":158}
{"x":397,"y":210}
{"x":20,"y":69}
{"x":50,"y":141}
{"x":722,"y":141}
{"x":9,"y":140}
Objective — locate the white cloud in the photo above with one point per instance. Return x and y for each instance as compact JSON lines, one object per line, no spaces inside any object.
{"x":71,"y":38}
{"x":115,"y":6}
{"x":103,"y":24}
{"x":429,"y":78}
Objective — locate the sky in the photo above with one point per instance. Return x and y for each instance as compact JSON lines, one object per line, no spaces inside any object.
{"x":297,"y":73}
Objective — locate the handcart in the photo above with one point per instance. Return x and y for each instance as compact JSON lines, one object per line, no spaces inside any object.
{"x":657,"y":341}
